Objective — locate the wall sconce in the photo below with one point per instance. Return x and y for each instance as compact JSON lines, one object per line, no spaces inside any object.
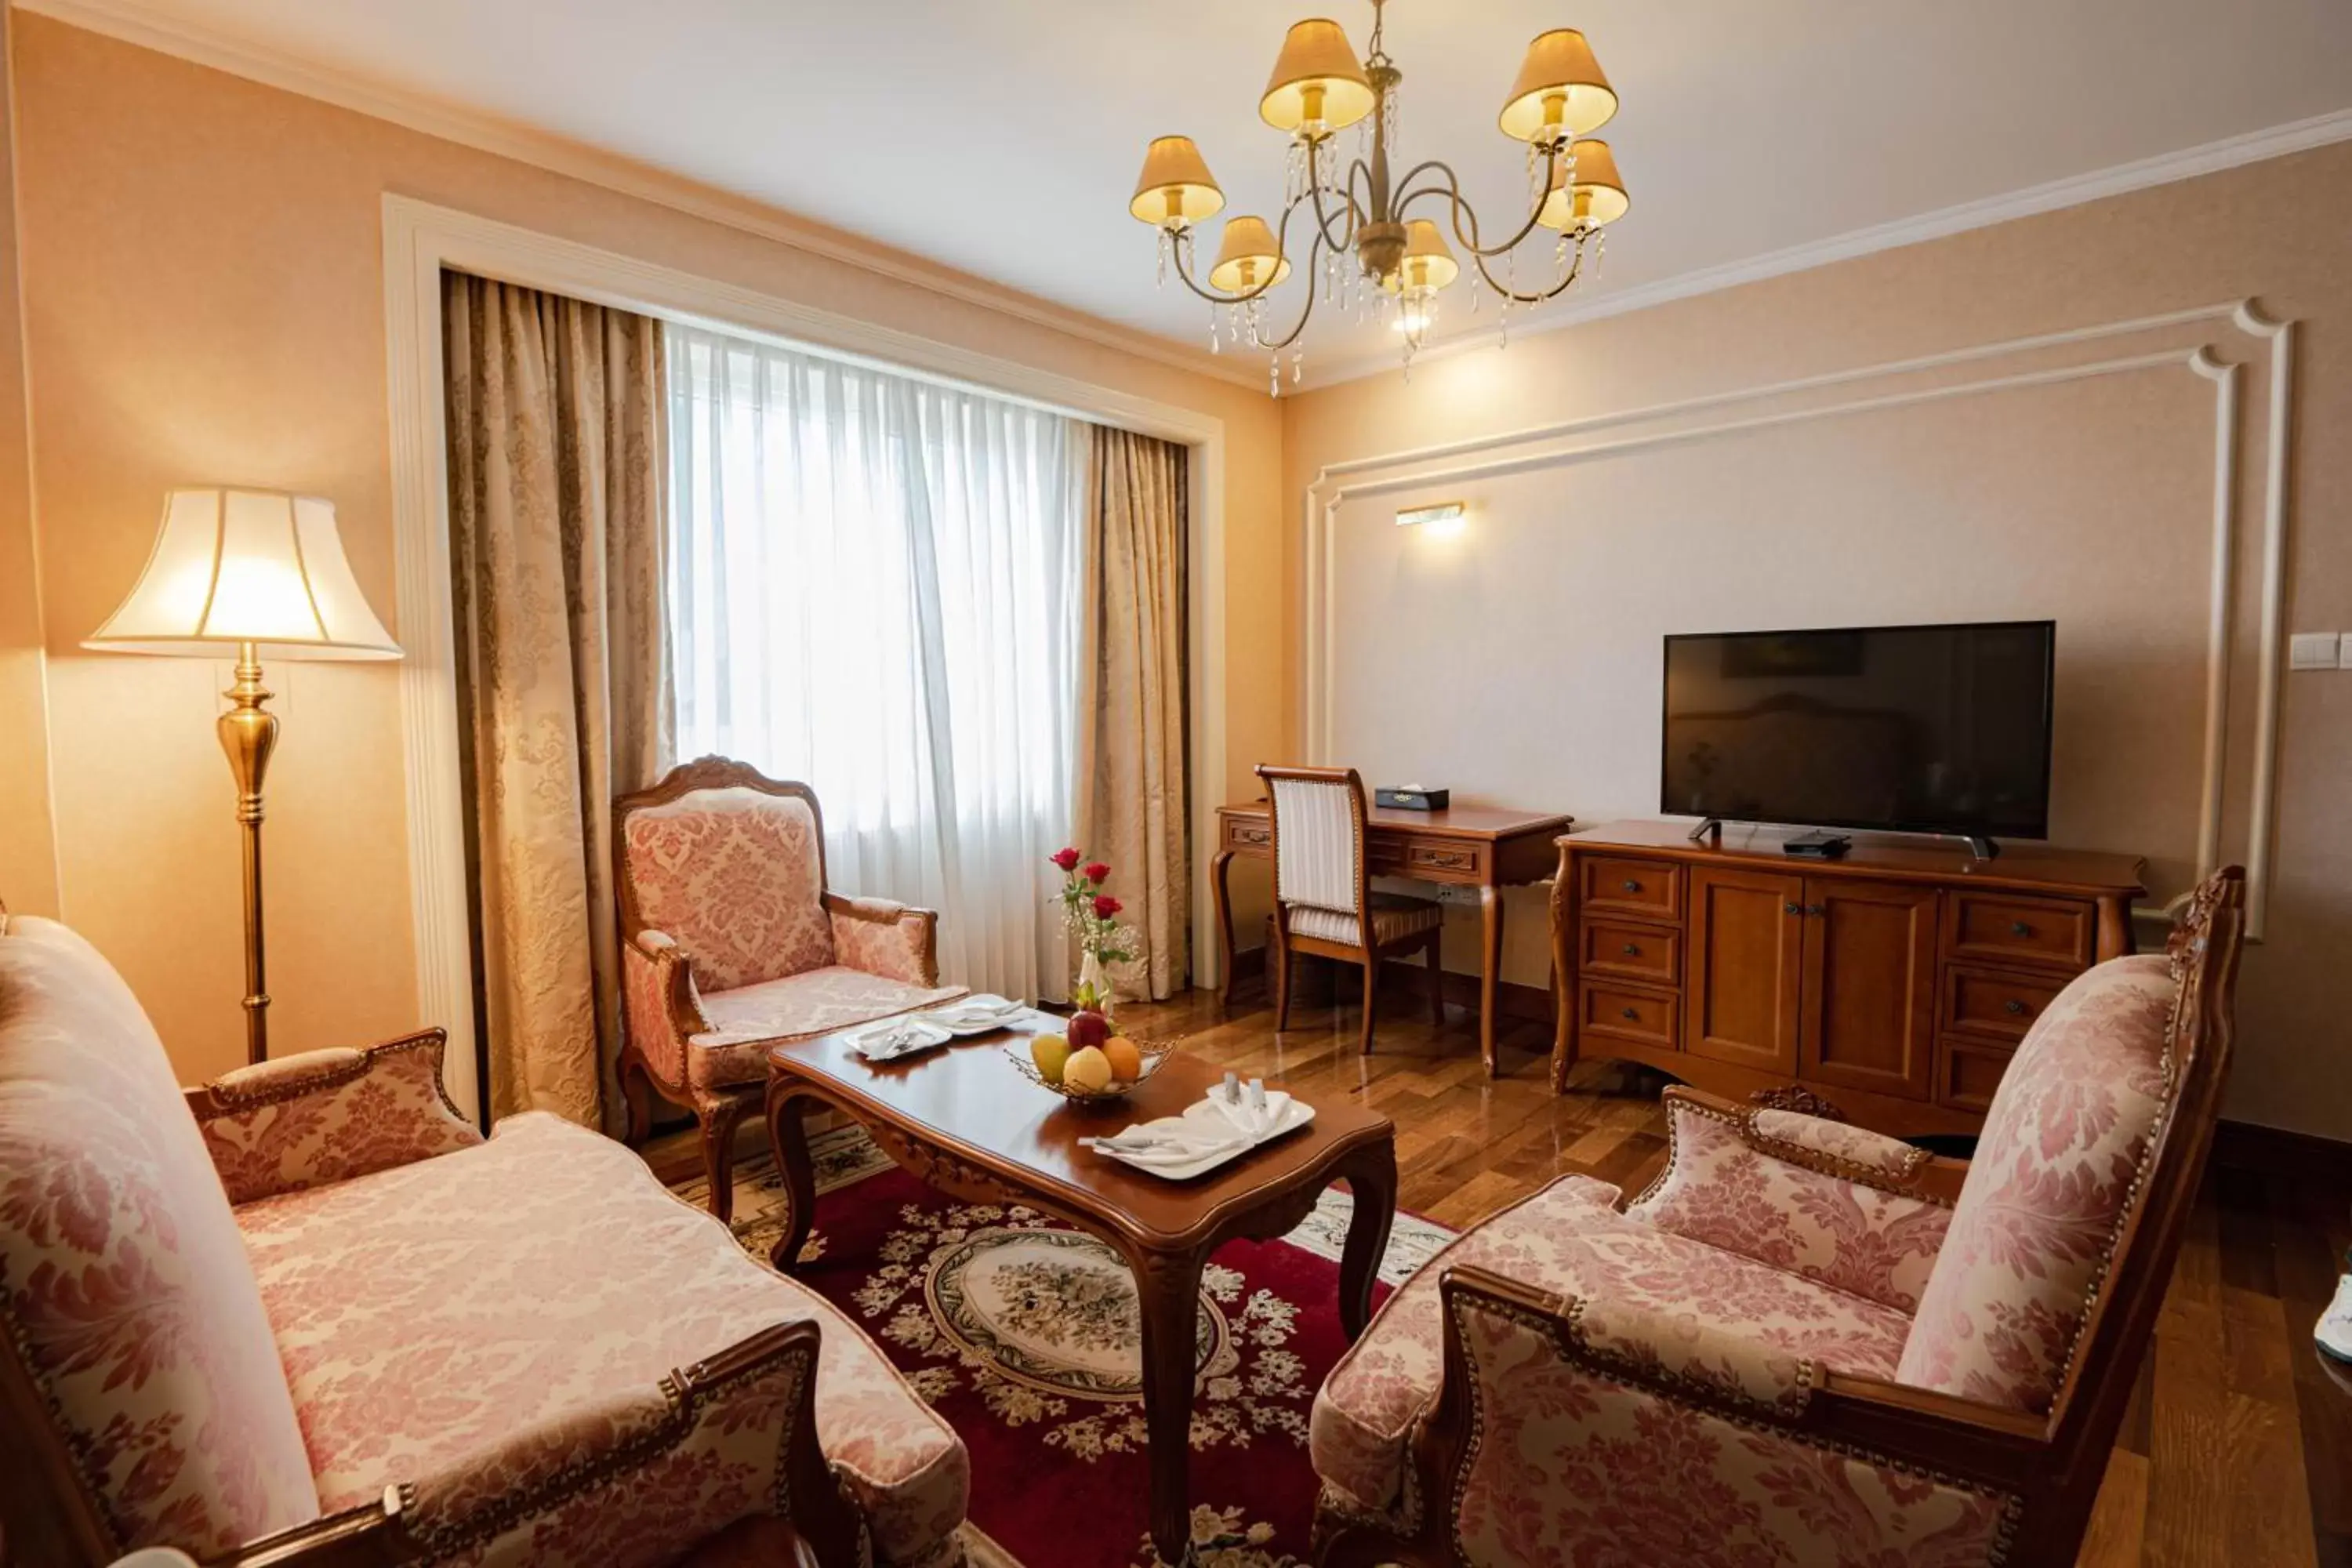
{"x":1443,"y":520}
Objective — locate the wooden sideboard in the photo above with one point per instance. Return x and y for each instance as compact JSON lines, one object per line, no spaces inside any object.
{"x":1894,"y":983}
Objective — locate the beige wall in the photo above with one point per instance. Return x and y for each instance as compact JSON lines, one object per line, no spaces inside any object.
{"x":205,"y":300}
{"x":1519,"y":661}
{"x":28,"y":849}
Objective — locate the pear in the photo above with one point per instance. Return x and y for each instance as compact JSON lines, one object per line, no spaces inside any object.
{"x":1051,"y":1053}
{"x":1088,"y":1069}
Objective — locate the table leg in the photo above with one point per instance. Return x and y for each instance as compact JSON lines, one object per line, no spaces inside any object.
{"x":1169,"y":1288}
{"x":1224,"y":859}
{"x":1371,"y":1177}
{"x":1490,"y":970}
{"x":788,"y":1136}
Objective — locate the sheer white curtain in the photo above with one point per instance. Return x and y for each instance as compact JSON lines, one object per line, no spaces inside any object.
{"x":874,"y":590}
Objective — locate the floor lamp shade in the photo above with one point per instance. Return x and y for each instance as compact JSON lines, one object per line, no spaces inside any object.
{"x":232,"y":567}
{"x":246,"y":573}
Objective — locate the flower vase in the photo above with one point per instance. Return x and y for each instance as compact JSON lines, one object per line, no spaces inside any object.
{"x":1094,"y":984}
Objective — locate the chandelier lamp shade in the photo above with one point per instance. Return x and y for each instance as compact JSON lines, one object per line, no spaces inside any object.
{"x":244,"y":574}
{"x":1372,"y":240}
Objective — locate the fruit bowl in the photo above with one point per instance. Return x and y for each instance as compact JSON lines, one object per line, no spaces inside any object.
{"x":1151,"y":1052}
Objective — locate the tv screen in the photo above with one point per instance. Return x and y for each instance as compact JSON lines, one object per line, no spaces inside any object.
{"x":1909,"y":729}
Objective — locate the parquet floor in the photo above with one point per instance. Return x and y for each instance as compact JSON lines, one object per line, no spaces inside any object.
{"x":2237,"y":1448}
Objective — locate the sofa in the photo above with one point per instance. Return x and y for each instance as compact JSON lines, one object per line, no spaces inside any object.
{"x":307,"y":1314}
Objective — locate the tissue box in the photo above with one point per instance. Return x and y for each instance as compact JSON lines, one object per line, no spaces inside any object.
{"x":1412,"y":797}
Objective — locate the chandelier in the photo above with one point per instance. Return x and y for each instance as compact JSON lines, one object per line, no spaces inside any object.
{"x":1403,"y":263}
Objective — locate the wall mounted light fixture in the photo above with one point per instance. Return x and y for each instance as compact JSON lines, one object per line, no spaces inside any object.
{"x":1448,"y":512}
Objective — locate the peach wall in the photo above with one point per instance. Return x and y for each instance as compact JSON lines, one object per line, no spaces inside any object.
{"x":28,"y":849}
{"x":1519,"y":662}
{"x":205,"y":300}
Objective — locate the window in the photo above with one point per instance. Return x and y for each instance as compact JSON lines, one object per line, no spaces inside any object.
{"x":873,"y":589}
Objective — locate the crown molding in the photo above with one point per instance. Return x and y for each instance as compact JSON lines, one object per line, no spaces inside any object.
{"x":132,"y":23}
{"x":2296,"y":136}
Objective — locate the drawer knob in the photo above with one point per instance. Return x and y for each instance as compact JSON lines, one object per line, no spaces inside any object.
{"x":2019,"y":928}
{"x":2014,"y":1006}
{"x":1632,"y":950}
{"x":1792,"y":909}
{"x":1630,"y":1012}
{"x":1631,"y":886}
{"x":1816,"y":909}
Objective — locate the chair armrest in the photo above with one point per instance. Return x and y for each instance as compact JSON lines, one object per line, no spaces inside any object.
{"x":1572,"y":1427}
{"x":1847,"y":1207}
{"x":323,"y":1116}
{"x":895,"y":941}
{"x":370,"y":1536}
{"x":660,"y":1008}
{"x":728,"y":1438}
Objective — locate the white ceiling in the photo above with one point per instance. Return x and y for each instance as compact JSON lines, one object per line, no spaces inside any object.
{"x":1002,"y":137}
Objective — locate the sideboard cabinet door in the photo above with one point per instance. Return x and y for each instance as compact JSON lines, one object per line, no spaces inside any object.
{"x":1869,"y":986}
{"x":1746,"y":967}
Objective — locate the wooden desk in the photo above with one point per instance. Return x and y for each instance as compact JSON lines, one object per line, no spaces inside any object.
{"x":1485,"y":848}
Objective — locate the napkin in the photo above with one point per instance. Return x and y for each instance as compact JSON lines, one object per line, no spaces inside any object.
{"x":1170,"y":1140}
{"x":893,"y":1038}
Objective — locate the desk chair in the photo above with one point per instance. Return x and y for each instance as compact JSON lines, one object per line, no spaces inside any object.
{"x":1323,"y":902}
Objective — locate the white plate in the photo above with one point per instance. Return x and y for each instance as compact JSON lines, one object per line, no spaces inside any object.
{"x":895,"y":1037}
{"x":1295,"y":1115}
{"x":978,"y":1015}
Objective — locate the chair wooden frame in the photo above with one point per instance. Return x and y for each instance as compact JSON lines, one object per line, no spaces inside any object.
{"x":1368,"y":952}
{"x":2049,"y":1468}
{"x":719,"y":1112}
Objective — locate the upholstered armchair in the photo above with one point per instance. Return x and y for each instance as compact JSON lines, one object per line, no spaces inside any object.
{"x":1805,"y":1343}
{"x":731,"y":942}
{"x":308,"y":1315}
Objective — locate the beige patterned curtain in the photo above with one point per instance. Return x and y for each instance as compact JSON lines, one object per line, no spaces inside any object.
{"x":557,"y":445}
{"x":1133,"y":767}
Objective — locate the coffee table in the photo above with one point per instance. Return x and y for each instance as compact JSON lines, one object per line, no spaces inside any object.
{"x":964,"y":1119}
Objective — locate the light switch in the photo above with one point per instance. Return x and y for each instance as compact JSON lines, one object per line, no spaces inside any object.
{"x":2315,"y":650}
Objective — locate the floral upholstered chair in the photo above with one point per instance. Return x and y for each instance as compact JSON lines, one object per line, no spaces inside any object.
{"x":306,"y":1314}
{"x":1805,"y":1343}
{"x":731,"y":942}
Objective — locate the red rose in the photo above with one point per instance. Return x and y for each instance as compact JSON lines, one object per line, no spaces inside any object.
{"x":1106,"y":906}
{"x":1066,"y":858}
{"x":1097,"y":872}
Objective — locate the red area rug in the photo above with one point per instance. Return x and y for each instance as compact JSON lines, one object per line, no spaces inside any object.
{"x":1023,"y":1335}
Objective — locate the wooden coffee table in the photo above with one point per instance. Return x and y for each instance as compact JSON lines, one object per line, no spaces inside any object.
{"x":965,"y":1120}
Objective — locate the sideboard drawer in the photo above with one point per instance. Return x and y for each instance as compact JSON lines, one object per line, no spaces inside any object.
{"x":1245,"y":837}
{"x":1620,"y":885}
{"x":1968,"y":1072}
{"x":1631,"y":951}
{"x":1630,"y":1012}
{"x":1995,"y":1002}
{"x":2005,"y":928}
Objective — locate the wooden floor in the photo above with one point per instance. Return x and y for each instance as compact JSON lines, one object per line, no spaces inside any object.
{"x":2238,"y":1447}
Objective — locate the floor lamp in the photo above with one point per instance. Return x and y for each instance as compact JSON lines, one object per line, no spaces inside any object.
{"x":246,"y":573}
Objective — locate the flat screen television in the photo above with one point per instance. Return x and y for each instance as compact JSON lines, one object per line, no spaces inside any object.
{"x":1941,"y":728}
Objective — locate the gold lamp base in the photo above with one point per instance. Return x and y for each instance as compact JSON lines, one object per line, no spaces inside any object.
{"x":248,"y":733}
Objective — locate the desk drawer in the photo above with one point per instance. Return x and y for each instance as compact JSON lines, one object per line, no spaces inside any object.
{"x":1249,"y":835}
{"x":1630,"y":1012}
{"x":2003,"y":927}
{"x":1999,"y":1003}
{"x":1445,"y":860}
{"x":1622,"y":885}
{"x":1631,"y":951}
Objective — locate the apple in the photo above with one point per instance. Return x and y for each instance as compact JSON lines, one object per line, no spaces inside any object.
{"x":1052,"y":1054}
{"x":1126,"y":1058}
{"x":1088,"y":1069}
{"x":1088,"y":1029}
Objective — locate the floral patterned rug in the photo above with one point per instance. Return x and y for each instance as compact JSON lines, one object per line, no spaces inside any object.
{"x":1024,"y":1333}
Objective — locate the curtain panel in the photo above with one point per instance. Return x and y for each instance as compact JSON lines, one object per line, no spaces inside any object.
{"x":557,"y":479}
{"x":873,"y":587}
{"x":1132,"y":758}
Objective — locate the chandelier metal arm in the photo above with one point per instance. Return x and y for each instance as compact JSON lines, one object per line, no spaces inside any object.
{"x":1214,"y":296}
{"x":1452,"y":191}
{"x":1354,"y":214}
{"x":1514,"y":296}
{"x":1306,"y":311}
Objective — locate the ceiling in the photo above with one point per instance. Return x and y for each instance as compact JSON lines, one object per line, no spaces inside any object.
{"x":1002,"y":137}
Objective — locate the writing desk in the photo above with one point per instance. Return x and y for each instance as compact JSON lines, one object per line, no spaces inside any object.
{"x":1485,"y":848}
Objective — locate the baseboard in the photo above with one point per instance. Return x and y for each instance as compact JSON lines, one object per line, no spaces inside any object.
{"x":2275,"y":1152}
{"x":1410,"y":975}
